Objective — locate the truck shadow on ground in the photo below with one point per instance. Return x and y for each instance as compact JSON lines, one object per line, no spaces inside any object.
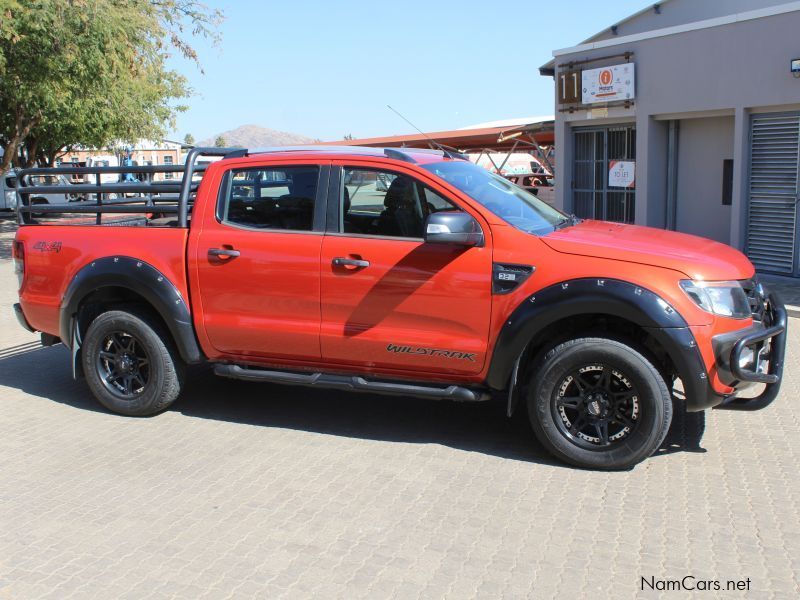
{"x":481,"y":427}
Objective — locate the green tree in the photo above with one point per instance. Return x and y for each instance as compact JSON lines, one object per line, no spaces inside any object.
{"x":86,"y":72}
{"x":188,"y":139}
{"x":220,"y":142}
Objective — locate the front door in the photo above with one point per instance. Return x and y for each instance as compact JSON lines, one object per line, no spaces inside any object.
{"x":389,"y":300}
{"x":258,"y":263}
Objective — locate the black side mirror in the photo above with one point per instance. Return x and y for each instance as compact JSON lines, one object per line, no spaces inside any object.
{"x":453,"y":227}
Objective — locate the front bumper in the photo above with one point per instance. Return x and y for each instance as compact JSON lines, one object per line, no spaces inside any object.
{"x":763,"y":348}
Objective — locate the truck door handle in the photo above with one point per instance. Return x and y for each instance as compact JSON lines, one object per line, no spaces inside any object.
{"x":350,"y":262}
{"x":223,"y":253}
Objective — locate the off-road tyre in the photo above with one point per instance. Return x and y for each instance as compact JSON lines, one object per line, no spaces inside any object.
{"x":134,"y":379}
{"x":598,"y":403}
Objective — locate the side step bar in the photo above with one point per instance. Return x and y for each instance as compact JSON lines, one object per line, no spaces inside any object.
{"x":351,"y":383}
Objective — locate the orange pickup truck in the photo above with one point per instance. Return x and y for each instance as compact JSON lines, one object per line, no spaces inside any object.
{"x":406,"y":272}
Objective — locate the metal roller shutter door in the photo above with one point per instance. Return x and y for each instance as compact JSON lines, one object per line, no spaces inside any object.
{"x":774,"y":194}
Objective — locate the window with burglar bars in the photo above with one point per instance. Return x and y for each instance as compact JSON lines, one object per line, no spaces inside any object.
{"x":594,"y":152}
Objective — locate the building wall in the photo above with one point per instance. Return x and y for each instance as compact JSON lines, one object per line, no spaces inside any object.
{"x":729,"y":70}
{"x":143,"y":154}
{"x":704,"y":144}
{"x":740,"y":64}
{"x":155,"y":156}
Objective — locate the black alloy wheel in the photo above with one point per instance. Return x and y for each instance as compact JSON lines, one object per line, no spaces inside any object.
{"x":596,"y":405}
{"x":123,"y":364}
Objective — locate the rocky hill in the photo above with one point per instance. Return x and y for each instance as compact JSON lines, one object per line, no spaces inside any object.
{"x":255,"y":136}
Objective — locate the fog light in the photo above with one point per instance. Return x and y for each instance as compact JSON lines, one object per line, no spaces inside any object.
{"x":747,"y":358}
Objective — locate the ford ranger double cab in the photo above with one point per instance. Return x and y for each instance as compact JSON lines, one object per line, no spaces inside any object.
{"x":406,"y":272}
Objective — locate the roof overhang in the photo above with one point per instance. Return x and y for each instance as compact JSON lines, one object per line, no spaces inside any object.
{"x":465,"y":140}
{"x":548,"y":68}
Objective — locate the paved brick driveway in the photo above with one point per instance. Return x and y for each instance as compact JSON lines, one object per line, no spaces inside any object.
{"x":247,"y":490}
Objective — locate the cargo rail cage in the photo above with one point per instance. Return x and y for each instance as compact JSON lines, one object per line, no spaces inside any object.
{"x":147,"y":197}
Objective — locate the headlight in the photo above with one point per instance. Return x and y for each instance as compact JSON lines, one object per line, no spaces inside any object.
{"x":11,"y":200}
{"x":723,"y":298}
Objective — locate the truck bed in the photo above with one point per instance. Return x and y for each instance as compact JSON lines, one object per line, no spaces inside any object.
{"x":54,"y":254}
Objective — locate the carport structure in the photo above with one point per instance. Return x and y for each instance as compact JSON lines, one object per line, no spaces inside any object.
{"x":533,"y":136}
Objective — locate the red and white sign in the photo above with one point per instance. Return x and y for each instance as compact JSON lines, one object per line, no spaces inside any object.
{"x":621,"y":173}
{"x":608,"y":84}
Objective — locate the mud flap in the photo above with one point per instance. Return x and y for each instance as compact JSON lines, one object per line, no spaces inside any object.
{"x":77,"y":367}
{"x":513,"y":396}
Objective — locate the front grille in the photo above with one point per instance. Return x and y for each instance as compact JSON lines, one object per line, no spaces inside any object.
{"x":755,"y":296}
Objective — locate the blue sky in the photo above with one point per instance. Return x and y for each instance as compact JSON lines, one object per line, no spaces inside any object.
{"x":328,"y":68}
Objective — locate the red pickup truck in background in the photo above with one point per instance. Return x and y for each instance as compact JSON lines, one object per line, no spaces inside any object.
{"x":406,"y":272}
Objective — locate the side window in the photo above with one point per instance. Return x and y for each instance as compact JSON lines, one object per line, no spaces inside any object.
{"x":271,"y":198}
{"x":434,"y":202}
{"x":387,"y":204}
{"x":168,"y":161}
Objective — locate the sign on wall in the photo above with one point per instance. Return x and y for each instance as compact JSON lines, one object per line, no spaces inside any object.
{"x":569,"y":87}
{"x":622,"y":173}
{"x":608,"y":84}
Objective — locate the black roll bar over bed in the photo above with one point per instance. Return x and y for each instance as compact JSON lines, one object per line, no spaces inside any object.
{"x":163,"y":197}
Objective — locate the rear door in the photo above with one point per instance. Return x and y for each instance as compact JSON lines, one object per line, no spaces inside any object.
{"x":389,"y":300}
{"x":257,"y":258}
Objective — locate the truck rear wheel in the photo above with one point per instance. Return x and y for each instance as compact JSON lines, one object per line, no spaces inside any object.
{"x":130,"y":364}
{"x":598,"y":403}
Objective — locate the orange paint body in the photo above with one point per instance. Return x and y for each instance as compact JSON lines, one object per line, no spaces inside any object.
{"x":283,"y":302}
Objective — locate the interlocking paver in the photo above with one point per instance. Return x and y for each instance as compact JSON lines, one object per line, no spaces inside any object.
{"x":245,"y":490}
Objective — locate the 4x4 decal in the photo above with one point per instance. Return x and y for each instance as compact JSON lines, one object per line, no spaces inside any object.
{"x":470,"y":356}
{"x":47,"y":246}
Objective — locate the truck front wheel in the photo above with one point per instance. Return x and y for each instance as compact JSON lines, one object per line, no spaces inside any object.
{"x":130,"y":364}
{"x":598,"y":403}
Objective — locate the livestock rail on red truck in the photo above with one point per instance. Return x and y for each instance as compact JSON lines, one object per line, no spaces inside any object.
{"x":152,"y":202}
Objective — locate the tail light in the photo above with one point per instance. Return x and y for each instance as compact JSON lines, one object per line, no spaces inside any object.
{"x":18,"y":254}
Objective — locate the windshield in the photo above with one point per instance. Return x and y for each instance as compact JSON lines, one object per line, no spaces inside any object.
{"x":511,"y":203}
{"x":49,"y":180}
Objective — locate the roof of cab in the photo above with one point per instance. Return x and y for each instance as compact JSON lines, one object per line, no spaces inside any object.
{"x":410,"y":155}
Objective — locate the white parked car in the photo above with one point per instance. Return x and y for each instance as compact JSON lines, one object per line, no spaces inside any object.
{"x":8,"y":199}
{"x":8,"y":185}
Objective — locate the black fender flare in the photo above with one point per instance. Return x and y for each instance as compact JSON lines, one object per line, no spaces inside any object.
{"x":139,"y":277}
{"x":611,"y":297}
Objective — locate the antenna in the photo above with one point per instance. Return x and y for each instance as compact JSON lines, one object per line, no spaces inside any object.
{"x":439,"y":146}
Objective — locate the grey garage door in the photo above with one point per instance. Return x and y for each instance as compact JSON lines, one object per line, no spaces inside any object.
{"x":774,"y":193}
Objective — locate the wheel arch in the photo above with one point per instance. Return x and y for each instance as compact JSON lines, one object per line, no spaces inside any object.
{"x":555,"y":313}
{"x":117,"y":280}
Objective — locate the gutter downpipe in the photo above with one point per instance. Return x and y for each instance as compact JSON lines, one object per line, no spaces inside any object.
{"x":671,"y":212}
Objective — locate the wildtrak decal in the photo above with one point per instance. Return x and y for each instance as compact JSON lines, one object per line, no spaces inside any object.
{"x":470,"y":356}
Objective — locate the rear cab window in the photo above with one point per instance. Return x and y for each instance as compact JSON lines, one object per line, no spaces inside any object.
{"x":274,"y":198}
